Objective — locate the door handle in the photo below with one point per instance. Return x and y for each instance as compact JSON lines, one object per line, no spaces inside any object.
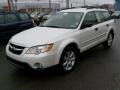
{"x":96,"y":29}
{"x":107,"y":25}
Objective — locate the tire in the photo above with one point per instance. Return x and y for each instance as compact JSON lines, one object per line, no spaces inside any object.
{"x":108,"y":44}
{"x":68,"y":60}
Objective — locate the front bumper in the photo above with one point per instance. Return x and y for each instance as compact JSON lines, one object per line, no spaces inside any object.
{"x":18,"y":64}
{"x":44,"y":60}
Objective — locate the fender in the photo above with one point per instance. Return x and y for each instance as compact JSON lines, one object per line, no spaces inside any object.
{"x":63,"y":45}
{"x":109,"y":29}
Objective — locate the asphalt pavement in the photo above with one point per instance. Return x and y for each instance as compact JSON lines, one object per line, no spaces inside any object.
{"x":98,"y":69}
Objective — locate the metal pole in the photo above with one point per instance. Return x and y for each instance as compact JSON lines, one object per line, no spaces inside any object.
{"x":67,"y":3}
{"x":115,"y":5}
{"x":84,"y":3}
{"x":62,"y":3}
{"x":12,"y":5}
{"x":9,"y":5}
{"x":50,"y":5}
{"x":16,"y":4}
{"x":71,"y":5}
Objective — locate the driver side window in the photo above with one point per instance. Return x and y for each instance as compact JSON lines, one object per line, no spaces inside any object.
{"x":90,"y":20}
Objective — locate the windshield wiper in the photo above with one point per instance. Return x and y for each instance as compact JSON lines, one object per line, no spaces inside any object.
{"x":52,"y":26}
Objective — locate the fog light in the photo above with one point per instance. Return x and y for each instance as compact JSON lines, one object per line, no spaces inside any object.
{"x":38,"y":66}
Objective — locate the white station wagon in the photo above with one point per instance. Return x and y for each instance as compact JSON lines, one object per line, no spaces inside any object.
{"x":61,"y":38}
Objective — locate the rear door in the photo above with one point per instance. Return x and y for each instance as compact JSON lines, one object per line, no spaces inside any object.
{"x":102,"y":17}
{"x":109,"y":21}
{"x":88,"y":32}
{"x":25,"y":21}
{"x":10,"y":25}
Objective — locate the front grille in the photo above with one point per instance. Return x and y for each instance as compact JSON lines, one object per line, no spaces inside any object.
{"x":16,"y":49}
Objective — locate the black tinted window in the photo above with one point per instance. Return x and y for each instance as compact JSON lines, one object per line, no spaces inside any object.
{"x":1,"y":19}
{"x":10,"y":18}
{"x":24,"y":16}
{"x":90,"y":20}
{"x":100,"y":17}
{"x":107,"y":16}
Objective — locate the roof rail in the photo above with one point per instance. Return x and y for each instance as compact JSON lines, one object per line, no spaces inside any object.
{"x":91,"y":7}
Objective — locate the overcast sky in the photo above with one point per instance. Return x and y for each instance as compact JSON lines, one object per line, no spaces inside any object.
{"x":75,"y":2}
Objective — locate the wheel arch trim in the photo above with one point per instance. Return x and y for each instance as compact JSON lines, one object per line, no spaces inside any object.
{"x":63,"y":45}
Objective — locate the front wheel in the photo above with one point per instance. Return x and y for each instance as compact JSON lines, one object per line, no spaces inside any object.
{"x":68,"y":59}
{"x":108,"y":43}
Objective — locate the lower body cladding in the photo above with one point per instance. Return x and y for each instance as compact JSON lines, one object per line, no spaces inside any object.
{"x":35,"y":62}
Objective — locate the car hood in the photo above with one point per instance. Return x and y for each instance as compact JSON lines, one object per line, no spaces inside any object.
{"x":39,"y":36}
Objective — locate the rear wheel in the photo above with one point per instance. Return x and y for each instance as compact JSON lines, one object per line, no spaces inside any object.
{"x":108,"y":43}
{"x":68,"y":59}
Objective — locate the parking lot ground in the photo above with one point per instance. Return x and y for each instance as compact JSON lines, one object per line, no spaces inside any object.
{"x":98,"y":69}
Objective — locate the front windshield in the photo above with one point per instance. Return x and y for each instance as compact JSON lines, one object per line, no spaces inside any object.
{"x":69,"y":20}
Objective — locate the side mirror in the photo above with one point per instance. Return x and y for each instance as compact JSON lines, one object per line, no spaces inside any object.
{"x":86,"y":26}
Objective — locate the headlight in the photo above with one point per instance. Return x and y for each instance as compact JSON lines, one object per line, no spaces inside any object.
{"x":40,"y":49}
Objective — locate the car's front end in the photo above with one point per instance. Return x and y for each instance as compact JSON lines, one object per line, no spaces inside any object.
{"x":34,"y":48}
{"x":41,"y":47}
{"x":38,"y":57}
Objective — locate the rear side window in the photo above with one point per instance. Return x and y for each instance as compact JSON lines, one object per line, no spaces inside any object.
{"x":1,"y":19}
{"x":24,"y":16}
{"x":107,"y":16}
{"x":10,"y":18}
{"x":100,"y":16}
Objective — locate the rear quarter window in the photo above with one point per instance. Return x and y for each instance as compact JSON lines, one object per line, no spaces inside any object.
{"x":24,"y":16}
{"x":1,"y":19}
{"x":103,"y":16}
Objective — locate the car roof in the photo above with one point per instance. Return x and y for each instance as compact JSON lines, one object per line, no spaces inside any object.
{"x":85,"y":10}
